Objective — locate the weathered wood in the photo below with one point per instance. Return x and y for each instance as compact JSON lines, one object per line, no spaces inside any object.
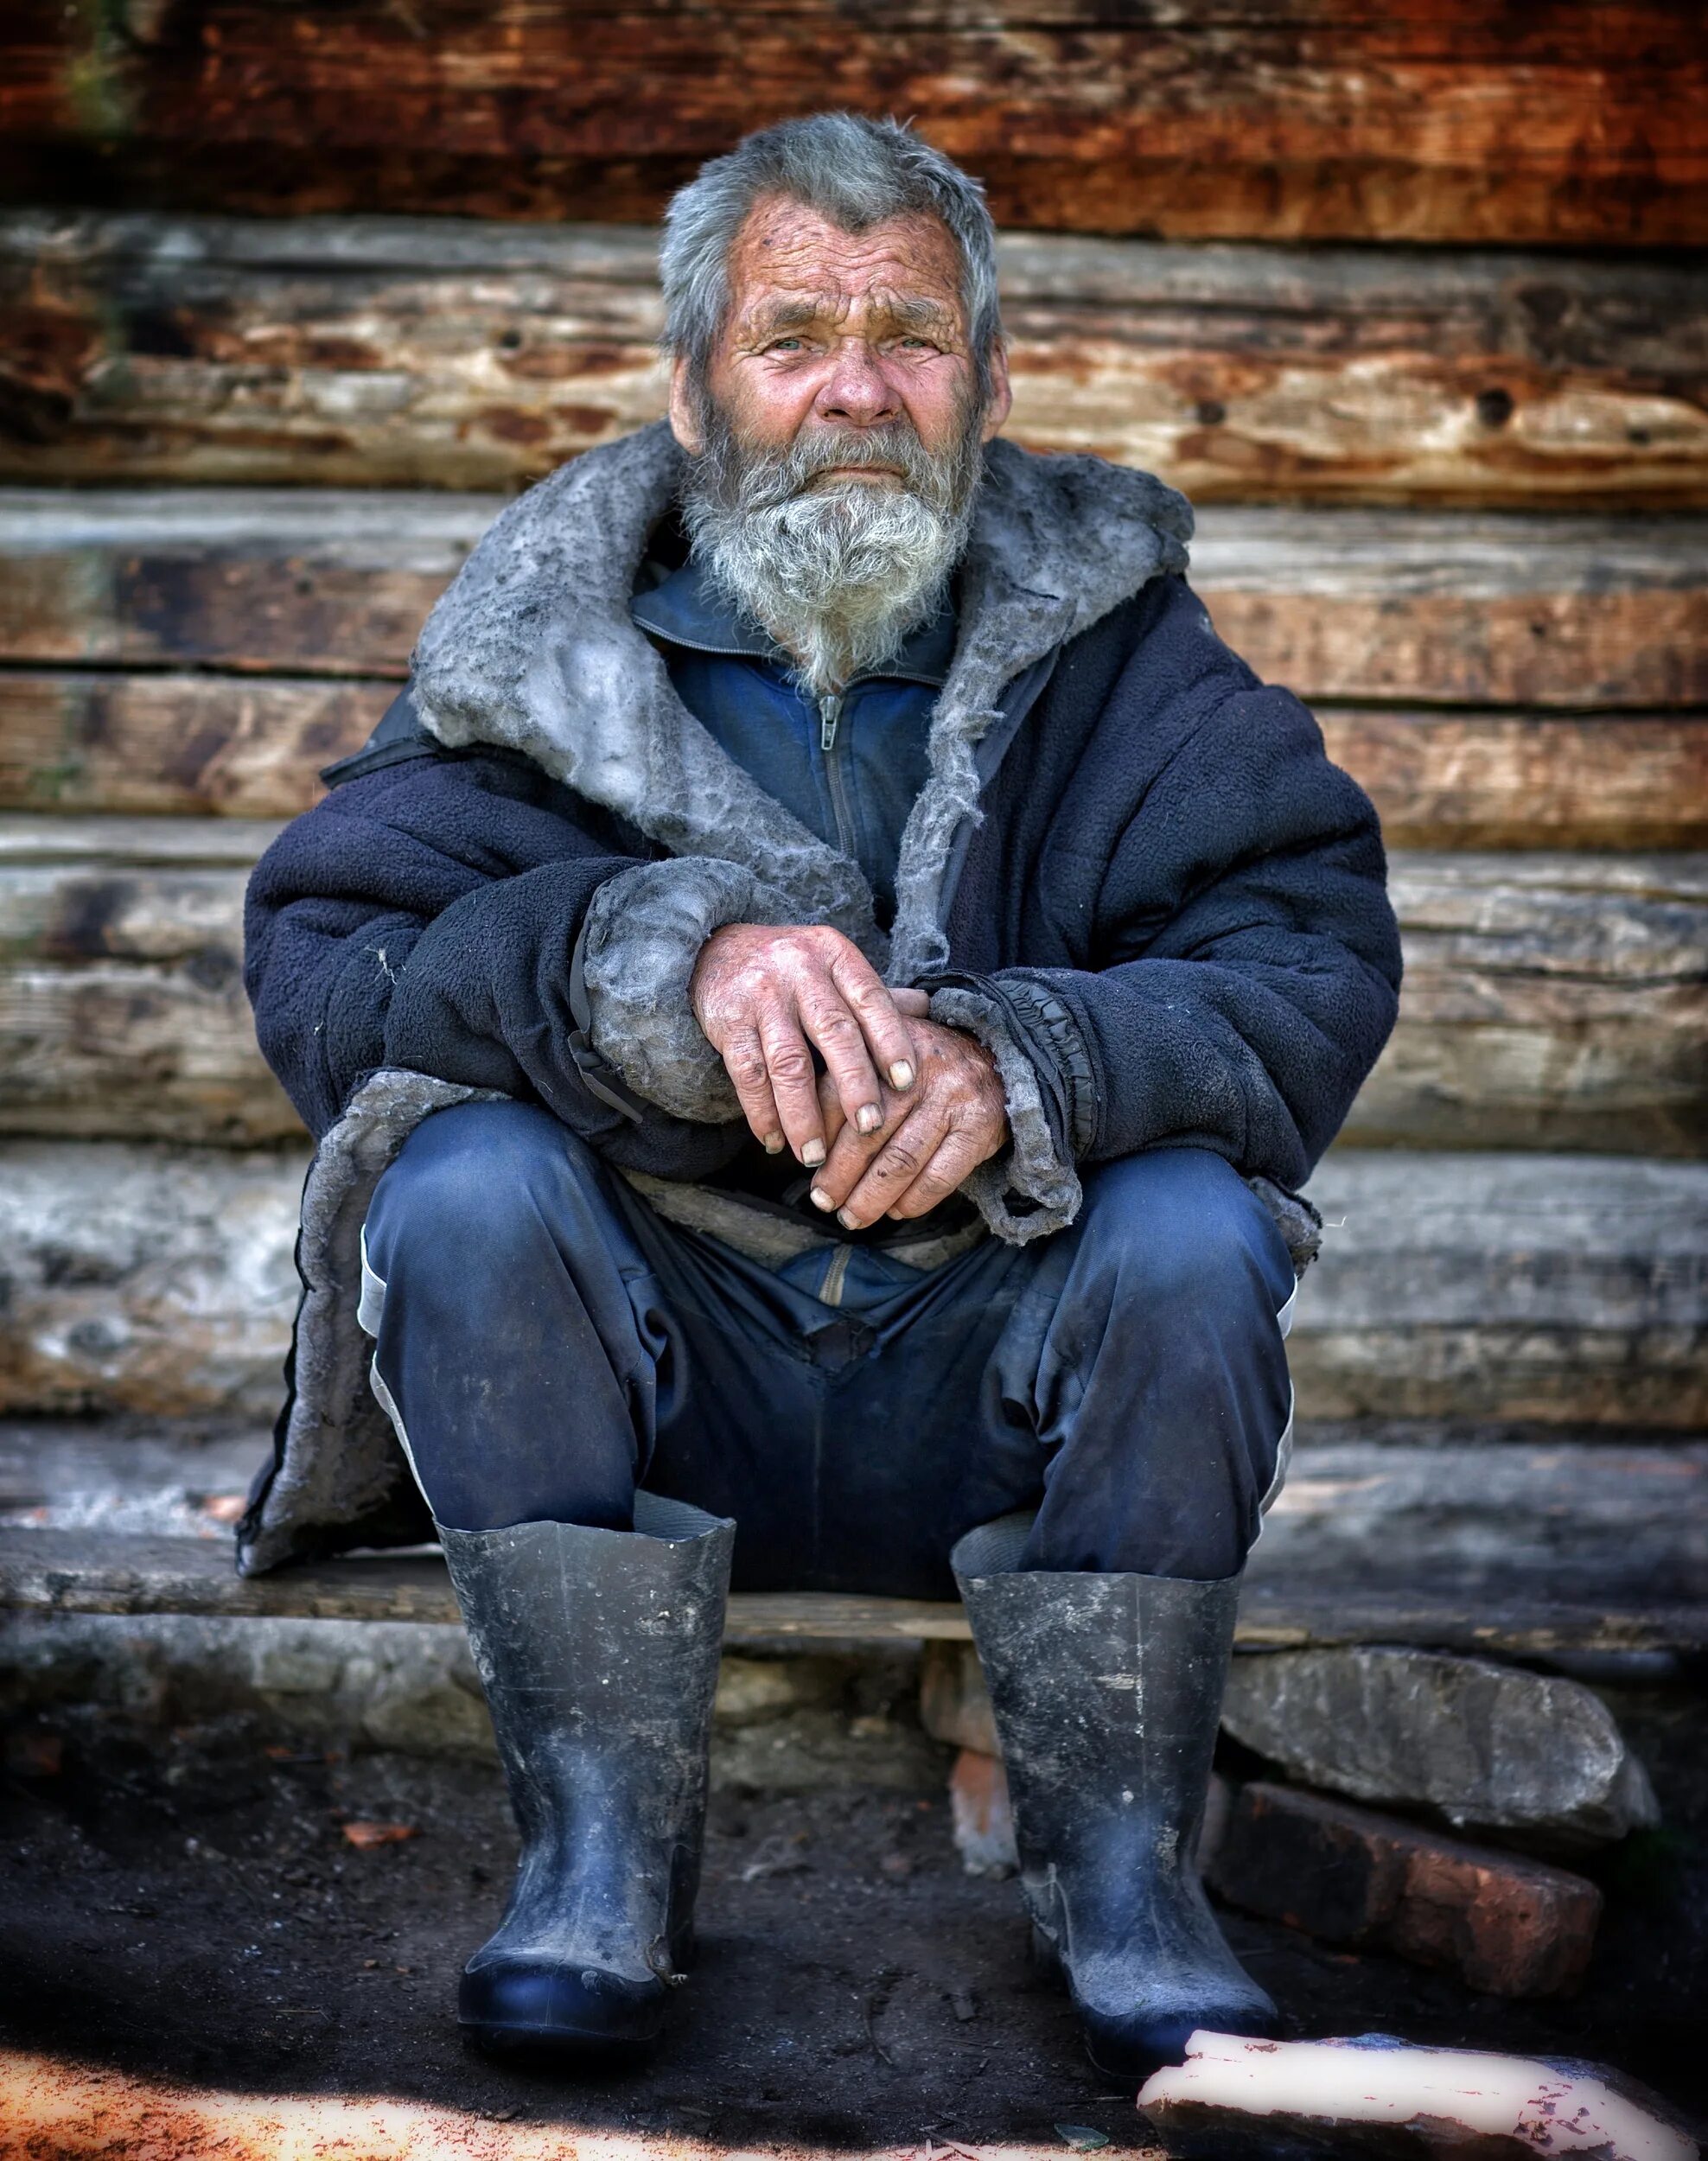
{"x":158,"y":1279}
{"x":1325,"y":119}
{"x":1526,"y":781}
{"x":1406,"y":607}
{"x":78,"y":740}
{"x":1549,"y":1287}
{"x":1574,"y":1515}
{"x":1551,"y":1001}
{"x":81,"y":1571}
{"x":1570,"y":1519}
{"x":213,"y":350}
{"x":245,"y":746}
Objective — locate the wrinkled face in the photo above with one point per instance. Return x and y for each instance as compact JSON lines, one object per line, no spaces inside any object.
{"x":828,"y":329}
{"x":836,"y":445}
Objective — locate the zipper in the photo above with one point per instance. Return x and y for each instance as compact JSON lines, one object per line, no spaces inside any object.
{"x":830,"y":718}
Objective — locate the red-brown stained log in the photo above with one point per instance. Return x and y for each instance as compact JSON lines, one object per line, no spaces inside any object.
{"x":94,"y":742}
{"x":1405,"y":607}
{"x":394,"y":353}
{"x":1320,"y":120}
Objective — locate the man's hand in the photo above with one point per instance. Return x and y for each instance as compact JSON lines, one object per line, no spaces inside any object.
{"x":764,"y":995}
{"x":930,"y":1140}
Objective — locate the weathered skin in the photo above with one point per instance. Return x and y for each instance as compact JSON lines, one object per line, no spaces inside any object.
{"x":846,"y":330}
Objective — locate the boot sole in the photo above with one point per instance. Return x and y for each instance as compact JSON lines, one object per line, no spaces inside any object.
{"x":564,"y":2041}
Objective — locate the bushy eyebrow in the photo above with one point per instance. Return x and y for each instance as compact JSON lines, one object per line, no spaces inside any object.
{"x":773,"y":318}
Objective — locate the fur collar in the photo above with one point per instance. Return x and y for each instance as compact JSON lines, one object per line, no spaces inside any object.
{"x":532,"y":647}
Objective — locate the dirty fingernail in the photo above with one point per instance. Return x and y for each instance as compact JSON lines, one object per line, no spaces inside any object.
{"x":814,"y":1154}
{"x":774,"y":1144}
{"x":902,"y":1074}
{"x":868,"y":1118}
{"x":848,"y":1219}
{"x":820,"y":1199}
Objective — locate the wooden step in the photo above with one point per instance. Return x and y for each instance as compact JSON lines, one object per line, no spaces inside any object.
{"x":1571,"y":1515}
{"x":394,"y":353}
{"x":73,"y":1571}
{"x":1550,"y":1000}
{"x":1321,"y":119}
{"x":1570,"y":1289}
{"x":1405,"y":607}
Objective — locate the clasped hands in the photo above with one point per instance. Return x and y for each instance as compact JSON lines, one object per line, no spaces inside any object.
{"x":904,"y":1110}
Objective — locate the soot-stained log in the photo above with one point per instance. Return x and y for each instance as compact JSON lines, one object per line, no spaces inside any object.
{"x":1572,"y":1290}
{"x":1403,"y":606}
{"x":245,"y":747}
{"x":1320,"y":120}
{"x":96,"y":741}
{"x":401,"y":352}
{"x":1552,"y":1001}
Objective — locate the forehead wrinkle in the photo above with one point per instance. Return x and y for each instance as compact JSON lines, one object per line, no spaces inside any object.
{"x":799,"y":311}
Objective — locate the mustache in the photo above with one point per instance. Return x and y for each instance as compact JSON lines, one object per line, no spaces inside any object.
{"x":749,"y":478}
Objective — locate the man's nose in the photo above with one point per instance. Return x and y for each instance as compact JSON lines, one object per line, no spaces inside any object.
{"x":855,"y":389}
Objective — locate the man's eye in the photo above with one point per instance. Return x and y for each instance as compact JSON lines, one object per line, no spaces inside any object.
{"x":919,"y":345}
{"x":787,"y":345}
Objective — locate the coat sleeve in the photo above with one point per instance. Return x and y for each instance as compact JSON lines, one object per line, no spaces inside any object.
{"x":427,"y":915}
{"x":1247,"y":959}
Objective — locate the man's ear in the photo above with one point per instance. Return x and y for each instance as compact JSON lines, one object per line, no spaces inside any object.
{"x":1002,"y":396}
{"x":683,"y":418}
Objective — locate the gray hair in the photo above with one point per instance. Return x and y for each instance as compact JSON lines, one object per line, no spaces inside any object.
{"x":854,"y":172}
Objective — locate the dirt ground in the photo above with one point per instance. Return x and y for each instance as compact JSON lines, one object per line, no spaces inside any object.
{"x":190,"y":1906}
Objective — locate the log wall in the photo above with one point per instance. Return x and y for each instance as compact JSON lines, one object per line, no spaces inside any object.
{"x":1452,"y":464}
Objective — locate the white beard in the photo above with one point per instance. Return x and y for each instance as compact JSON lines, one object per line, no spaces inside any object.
{"x":839,"y":575}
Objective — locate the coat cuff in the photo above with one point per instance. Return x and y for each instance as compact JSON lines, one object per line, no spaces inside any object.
{"x":1032,"y":1188}
{"x":633,"y":961}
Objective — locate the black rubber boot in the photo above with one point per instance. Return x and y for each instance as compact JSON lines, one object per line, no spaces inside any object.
{"x":1108,"y":1690}
{"x":598,"y":1653}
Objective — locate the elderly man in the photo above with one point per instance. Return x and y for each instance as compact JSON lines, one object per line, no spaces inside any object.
{"x":815,"y":999}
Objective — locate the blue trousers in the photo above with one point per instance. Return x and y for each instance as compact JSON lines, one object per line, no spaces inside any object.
{"x":549,"y":1343}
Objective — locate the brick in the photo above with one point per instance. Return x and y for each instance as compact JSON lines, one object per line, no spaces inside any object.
{"x":1510,"y":1927}
{"x":983,"y":1822}
{"x":954,"y":1705}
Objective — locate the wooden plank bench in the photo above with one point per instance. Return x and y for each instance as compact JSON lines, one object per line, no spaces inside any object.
{"x":61,"y":1571}
{"x":1510,"y":1541}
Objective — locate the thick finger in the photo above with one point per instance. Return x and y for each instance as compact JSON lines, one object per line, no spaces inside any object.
{"x":850,"y":1152}
{"x":794,"y":1082}
{"x":958,"y":1157}
{"x":745,"y":1061}
{"x":833,"y":1026}
{"x":884,"y":1028}
{"x":914,"y":1005}
{"x":894,"y":1169}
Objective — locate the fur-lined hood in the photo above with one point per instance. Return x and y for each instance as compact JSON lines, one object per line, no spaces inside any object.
{"x":532,"y":649}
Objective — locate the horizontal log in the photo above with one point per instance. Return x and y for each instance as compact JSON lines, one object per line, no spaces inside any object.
{"x":253,"y":747}
{"x":1402,"y":606}
{"x":152,"y":348}
{"x":1551,"y":1001}
{"x":158,"y":1279}
{"x":1325,"y":119}
{"x":1491,"y":1513}
{"x":89,"y":1571}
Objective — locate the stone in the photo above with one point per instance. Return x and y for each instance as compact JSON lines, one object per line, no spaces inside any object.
{"x":1509,"y":1925}
{"x":1491,"y":1748}
{"x":1233,"y":2097}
